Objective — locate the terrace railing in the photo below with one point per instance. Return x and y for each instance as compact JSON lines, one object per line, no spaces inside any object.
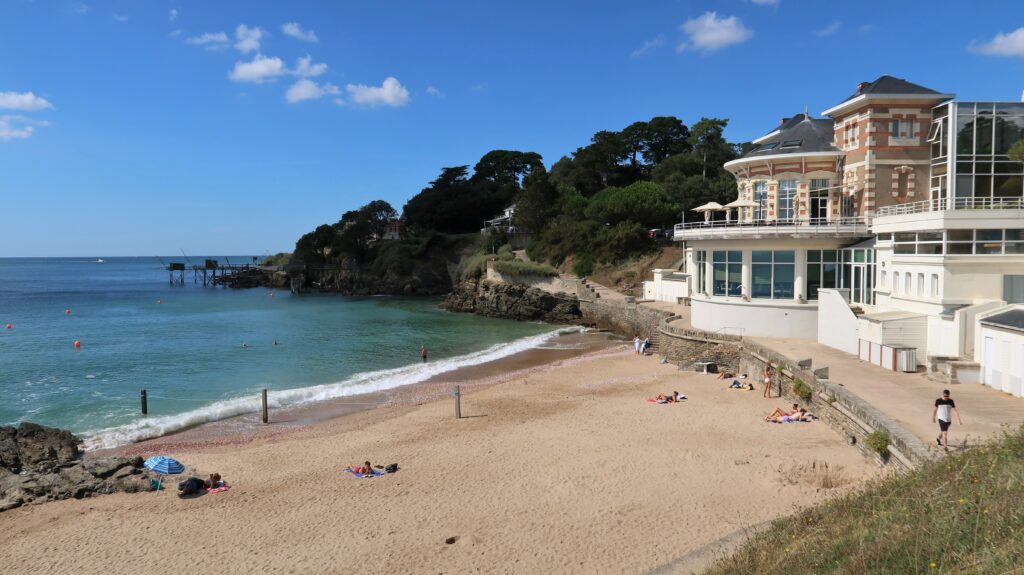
{"x":814,"y":227}
{"x":943,"y":204}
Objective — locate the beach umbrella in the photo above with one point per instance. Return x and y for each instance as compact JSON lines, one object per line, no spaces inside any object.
{"x":741,"y":203}
{"x":708,"y":208}
{"x":164,"y":466}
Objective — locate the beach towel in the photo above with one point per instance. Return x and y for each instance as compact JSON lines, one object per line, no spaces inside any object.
{"x":220,"y":489}
{"x":376,"y":473}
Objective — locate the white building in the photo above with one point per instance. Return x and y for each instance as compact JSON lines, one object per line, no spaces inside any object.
{"x":892,"y":227}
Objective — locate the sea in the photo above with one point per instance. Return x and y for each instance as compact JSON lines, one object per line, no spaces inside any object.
{"x":205,"y":353}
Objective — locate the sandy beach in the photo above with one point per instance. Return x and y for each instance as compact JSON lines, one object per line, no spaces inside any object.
{"x":559,"y":468}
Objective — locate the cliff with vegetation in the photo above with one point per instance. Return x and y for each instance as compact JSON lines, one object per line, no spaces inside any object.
{"x":593,"y":209}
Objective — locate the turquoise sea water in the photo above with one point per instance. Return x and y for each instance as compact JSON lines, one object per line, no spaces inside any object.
{"x":187,"y":351}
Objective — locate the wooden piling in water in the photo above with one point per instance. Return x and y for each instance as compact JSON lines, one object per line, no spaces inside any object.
{"x":264,"y":398}
{"x":458,"y":402}
{"x":145,"y":406}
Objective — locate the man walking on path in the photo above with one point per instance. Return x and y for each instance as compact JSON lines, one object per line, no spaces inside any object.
{"x":943,"y":406}
{"x":423,"y":354}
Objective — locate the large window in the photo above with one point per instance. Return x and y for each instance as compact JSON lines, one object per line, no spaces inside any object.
{"x":727,"y":272}
{"x":700,"y":262}
{"x":984,"y":134}
{"x":822,"y":271}
{"x":761,"y":197}
{"x":787,"y":197}
{"x":985,"y":242}
{"x":772,"y":274}
{"x":919,"y":243}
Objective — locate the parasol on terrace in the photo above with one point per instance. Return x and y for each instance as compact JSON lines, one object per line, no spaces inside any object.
{"x":708,"y":208}
{"x":740,"y":203}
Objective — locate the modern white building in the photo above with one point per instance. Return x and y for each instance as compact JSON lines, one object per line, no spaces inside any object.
{"x":892,"y":229}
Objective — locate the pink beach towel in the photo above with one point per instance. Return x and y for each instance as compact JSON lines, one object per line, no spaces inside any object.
{"x":221,"y":489}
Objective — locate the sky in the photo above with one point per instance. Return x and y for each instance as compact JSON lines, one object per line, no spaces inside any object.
{"x":132,"y":127}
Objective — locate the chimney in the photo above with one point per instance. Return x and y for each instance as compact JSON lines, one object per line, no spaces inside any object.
{"x":862,"y":85}
{"x":782,"y":121}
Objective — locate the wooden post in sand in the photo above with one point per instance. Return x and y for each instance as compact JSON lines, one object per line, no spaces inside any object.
{"x":458,"y":403}
{"x":145,"y":406}
{"x":264,"y":399}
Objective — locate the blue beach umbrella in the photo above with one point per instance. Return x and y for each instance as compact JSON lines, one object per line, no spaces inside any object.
{"x":164,"y":466}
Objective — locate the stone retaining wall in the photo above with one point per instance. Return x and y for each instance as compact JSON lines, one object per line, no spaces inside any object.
{"x":848,"y":414}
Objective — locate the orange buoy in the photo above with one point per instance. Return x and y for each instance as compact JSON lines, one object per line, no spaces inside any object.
{"x":9,"y":326}
{"x":78,"y":344}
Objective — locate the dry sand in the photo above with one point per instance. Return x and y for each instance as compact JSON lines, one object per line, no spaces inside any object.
{"x":561,"y":469}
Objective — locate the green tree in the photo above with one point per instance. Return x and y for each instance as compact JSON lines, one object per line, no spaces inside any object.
{"x":1016,"y":151}
{"x":645,"y":203}
{"x":537,"y":204}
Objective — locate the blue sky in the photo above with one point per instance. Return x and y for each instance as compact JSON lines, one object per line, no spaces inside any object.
{"x":138,"y":128}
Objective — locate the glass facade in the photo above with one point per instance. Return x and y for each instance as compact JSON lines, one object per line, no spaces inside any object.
{"x":959,"y":242}
{"x":822,"y":271}
{"x":700,"y":261}
{"x":772,"y":274}
{"x":727,"y":272}
{"x":983,"y":133}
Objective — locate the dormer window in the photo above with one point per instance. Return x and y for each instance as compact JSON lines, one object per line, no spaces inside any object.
{"x":767,"y":147}
{"x":792,"y":143}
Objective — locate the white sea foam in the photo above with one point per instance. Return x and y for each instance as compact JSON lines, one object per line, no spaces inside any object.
{"x":366,"y":382}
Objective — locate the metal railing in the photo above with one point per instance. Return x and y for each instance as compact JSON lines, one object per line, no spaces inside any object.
{"x":943,"y":204}
{"x":841,"y":225}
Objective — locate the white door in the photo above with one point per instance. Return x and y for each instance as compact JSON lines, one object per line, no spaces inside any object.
{"x":990,"y":352}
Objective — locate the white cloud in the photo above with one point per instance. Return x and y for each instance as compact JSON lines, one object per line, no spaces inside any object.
{"x":172,"y":14}
{"x":16,"y":127}
{"x":25,"y":101}
{"x":649,"y":46}
{"x":866,"y":28}
{"x":766,"y":2}
{"x":389,"y":93}
{"x":432,"y":91}
{"x":708,"y":33}
{"x":294,"y":30}
{"x":174,"y":33}
{"x":260,"y":70}
{"x":1009,"y":45}
{"x":210,"y":40}
{"x":305,"y":68}
{"x":80,"y":9}
{"x":481,"y":87}
{"x":248,"y":38}
{"x":306,"y":89}
{"x":119,"y":17}
{"x":829,"y":30}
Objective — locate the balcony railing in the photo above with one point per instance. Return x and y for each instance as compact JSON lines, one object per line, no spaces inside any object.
{"x":943,"y":204}
{"x":813,"y":227}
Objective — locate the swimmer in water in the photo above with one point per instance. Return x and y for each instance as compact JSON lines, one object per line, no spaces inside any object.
{"x":245,"y":345}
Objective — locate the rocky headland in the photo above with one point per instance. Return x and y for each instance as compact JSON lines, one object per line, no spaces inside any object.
{"x":39,"y":464}
{"x":513,"y":301}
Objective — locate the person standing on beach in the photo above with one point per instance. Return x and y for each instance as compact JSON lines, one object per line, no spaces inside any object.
{"x":636,"y":343}
{"x":423,"y":354}
{"x":768,"y":381}
{"x":944,"y":407}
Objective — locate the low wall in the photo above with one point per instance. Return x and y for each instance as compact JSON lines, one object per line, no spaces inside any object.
{"x":626,"y":318}
{"x":848,"y":414}
{"x":685,"y":346}
{"x":756,"y":318}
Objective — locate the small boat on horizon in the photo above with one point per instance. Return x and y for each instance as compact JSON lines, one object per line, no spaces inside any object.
{"x":100,"y":261}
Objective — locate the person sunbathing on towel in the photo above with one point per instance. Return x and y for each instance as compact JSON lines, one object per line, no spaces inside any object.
{"x":365,"y":469}
{"x":780,"y":413}
{"x":726,"y":375}
{"x":214,"y":481}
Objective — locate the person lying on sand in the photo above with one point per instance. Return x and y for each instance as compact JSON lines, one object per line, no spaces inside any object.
{"x":780,"y":413}
{"x":799,"y":415}
{"x":737,"y":384}
{"x":191,"y":486}
{"x":726,"y":375}
{"x":365,"y":469}
{"x":214,"y":481}
{"x":674,"y":398}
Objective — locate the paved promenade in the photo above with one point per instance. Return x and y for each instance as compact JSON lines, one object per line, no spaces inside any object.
{"x":909,"y":398}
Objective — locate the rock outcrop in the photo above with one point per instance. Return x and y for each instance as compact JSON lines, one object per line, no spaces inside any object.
{"x":255,"y":277}
{"x":513,"y":301}
{"x":39,"y":463}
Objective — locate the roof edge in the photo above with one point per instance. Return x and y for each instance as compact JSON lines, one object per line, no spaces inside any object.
{"x":739,"y":161}
{"x":864,"y":97}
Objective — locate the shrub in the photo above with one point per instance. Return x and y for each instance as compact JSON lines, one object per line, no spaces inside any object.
{"x":583,"y":266}
{"x":520,"y":268}
{"x":878,"y":441}
{"x":473,"y":267}
{"x":802,"y":390}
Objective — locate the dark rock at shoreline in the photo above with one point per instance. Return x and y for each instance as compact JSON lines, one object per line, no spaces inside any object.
{"x":255,"y":277}
{"x":39,"y":463}
{"x":513,"y":301}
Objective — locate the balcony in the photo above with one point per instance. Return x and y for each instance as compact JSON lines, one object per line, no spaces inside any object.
{"x":852,"y":227}
{"x":943,"y":204}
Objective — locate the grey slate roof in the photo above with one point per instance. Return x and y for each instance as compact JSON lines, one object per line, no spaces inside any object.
{"x":890,"y":85}
{"x":813,"y":135}
{"x":1012,"y":319}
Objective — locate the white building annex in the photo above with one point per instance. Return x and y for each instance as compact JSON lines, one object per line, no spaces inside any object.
{"x":891,"y":229}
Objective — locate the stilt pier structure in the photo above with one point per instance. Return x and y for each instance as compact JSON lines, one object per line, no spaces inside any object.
{"x":210,"y":273}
